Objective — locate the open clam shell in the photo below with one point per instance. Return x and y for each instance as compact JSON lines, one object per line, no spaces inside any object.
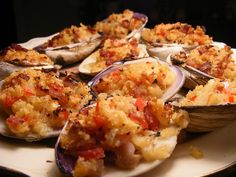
{"x":46,"y":120}
{"x":194,"y":76}
{"x":4,"y":131}
{"x":74,"y":52}
{"x":171,"y":91}
{"x":162,"y":51}
{"x":66,"y":162}
{"x":64,"y":54}
{"x":84,"y":67}
{"x":135,"y":32}
{"x":210,"y":118}
{"x":210,"y":107}
{"x":7,"y":68}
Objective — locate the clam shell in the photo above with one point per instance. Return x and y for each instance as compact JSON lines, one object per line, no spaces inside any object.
{"x":4,"y":131}
{"x":136,"y":32}
{"x":66,"y":163}
{"x":194,"y":76}
{"x":171,"y":91}
{"x":84,"y":66}
{"x":64,"y":54}
{"x":162,"y":51}
{"x":209,"y":118}
{"x":6,"y":68}
{"x":73,"y":53}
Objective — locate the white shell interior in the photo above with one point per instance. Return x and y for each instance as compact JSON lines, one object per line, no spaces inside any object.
{"x":84,"y":66}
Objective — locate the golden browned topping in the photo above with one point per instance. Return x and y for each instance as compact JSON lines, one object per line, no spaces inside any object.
{"x":18,"y":55}
{"x":120,"y":25}
{"x":39,"y":102}
{"x":179,"y":33}
{"x":126,"y":128}
{"x":114,"y":50}
{"x":143,"y":79}
{"x":74,"y":34}
{"x":213,"y":93}
{"x":215,"y":61}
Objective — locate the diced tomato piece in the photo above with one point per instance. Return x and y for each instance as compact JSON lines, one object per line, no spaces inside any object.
{"x":116,"y":75}
{"x":28,"y":92}
{"x":96,"y":153}
{"x":97,"y":107}
{"x":9,"y":101}
{"x":231,"y":98}
{"x":64,"y":114}
{"x":193,"y":98}
{"x":139,"y":120}
{"x":55,"y":87}
{"x":99,"y":121}
{"x":140,"y":104}
{"x":14,"y":122}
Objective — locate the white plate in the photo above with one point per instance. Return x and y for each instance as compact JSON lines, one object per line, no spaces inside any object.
{"x":219,"y":150}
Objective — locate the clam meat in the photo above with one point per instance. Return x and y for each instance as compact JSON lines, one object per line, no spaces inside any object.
{"x":146,"y":78}
{"x":36,"y":104}
{"x":210,"y":107}
{"x":118,"y":136}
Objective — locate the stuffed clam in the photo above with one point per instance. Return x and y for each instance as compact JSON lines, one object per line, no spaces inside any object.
{"x":118,"y":136}
{"x":165,"y":39}
{"x":122,"y":25}
{"x":146,"y":78}
{"x":211,"y":106}
{"x":206,"y":62}
{"x":16,"y":57}
{"x":37,"y":104}
{"x":113,"y":50}
{"x":70,"y":45}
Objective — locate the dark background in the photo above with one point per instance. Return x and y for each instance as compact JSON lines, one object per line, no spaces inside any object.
{"x":22,"y":20}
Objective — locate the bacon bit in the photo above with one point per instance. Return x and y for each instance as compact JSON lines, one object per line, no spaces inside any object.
{"x":231,"y":98}
{"x":192,"y":63}
{"x":14,"y":122}
{"x":96,"y":153}
{"x":139,"y":120}
{"x":134,"y":42}
{"x":106,"y":54}
{"x":125,"y":23}
{"x":140,"y":104}
{"x":220,"y":89}
{"x":151,"y":119}
{"x":9,"y":101}
{"x":185,"y":28}
{"x":56,"y":91}
{"x":206,"y":67}
{"x":162,"y":32}
{"x":17,"y":47}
